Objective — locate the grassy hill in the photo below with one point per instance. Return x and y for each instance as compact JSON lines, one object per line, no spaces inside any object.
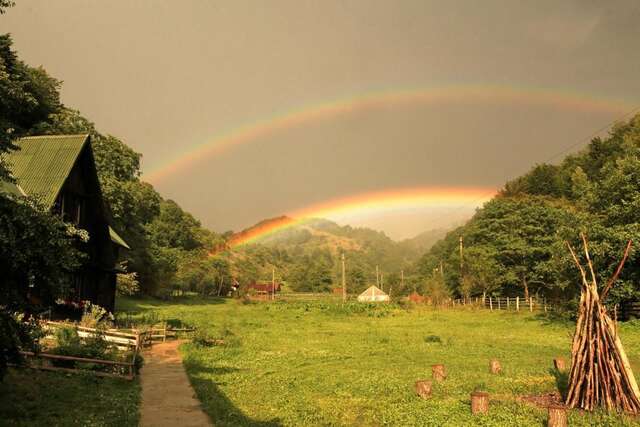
{"x":306,"y":253}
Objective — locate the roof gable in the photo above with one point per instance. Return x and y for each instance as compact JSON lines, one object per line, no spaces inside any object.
{"x":373,"y":291}
{"x":43,"y":163}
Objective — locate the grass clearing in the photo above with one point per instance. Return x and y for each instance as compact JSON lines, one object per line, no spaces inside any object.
{"x":36,"y":398}
{"x":321,"y":364}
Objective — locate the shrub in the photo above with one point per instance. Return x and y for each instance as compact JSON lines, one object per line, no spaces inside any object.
{"x":202,"y":338}
{"x":406,"y":304}
{"x":432,"y":339}
{"x":127,"y":284}
{"x":94,"y":316}
{"x":69,"y":343}
{"x":16,"y":334}
{"x":480,"y":387}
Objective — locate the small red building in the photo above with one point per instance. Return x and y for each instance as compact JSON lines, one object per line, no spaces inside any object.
{"x":263,"y":288}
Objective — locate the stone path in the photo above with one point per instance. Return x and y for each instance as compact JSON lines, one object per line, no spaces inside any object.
{"x":167,"y":396}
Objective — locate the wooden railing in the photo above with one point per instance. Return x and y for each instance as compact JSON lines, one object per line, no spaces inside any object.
{"x":505,"y":303}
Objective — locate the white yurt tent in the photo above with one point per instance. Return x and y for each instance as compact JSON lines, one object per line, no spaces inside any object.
{"x":373,"y":294}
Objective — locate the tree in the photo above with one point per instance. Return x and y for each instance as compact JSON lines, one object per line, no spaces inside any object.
{"x":483,"y":269}
{"x":37,"y":254}
{"x":27,"y":96}
{"x":6,"y":4}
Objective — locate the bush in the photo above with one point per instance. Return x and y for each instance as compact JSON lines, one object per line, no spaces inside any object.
{"x":202,"y":338}
{"x":432,"y":339}
{"x":94,"y":316}
{"x":127,"y":283}
{"x":406,"y":304}
{"x":69,"y":343}
{"x":16,"y":334}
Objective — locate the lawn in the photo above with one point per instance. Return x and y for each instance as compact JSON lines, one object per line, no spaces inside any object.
{"x":320,"y":364}
{"x":38,"y":398}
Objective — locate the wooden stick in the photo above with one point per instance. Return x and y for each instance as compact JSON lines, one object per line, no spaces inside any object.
{"x":611,"y":281}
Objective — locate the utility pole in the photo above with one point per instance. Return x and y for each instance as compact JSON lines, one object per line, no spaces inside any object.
{"x":382,"y":281}
{"x":344,"y":282}
{"x":441,"y":270}
{"x":401,"y":279}
{"x":461,"y":255}
{"x":273,"y":282}
{"x":377,"y":277}
{"x":461,"y":267}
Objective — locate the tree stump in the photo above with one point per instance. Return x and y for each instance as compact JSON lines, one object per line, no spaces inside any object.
{"x":560,"y":364}
{"x":438,"y":372}
{"x":479,"y":402}
{"x":557,"y":416}
{"x":494,"y":366}
{"x":423,"y":389}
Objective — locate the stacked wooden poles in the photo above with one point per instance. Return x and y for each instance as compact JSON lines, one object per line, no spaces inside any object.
{"x":600,"y":373}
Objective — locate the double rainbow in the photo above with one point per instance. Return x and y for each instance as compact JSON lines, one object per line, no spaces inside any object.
{"x":471,"y":94}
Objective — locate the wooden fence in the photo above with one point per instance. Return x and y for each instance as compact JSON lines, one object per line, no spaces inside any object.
{"x":44,"y":361}
{"x":133,"y":341}
{"x":504,"y":303}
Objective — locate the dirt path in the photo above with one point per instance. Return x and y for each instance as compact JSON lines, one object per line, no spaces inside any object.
{"x":167,"y":396}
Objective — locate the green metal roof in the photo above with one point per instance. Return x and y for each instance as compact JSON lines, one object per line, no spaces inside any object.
{"x":115,"y":238}
{"x":42,"y":163}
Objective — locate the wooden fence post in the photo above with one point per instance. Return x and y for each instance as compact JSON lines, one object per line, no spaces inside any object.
{"x":498,"y":303}
{"x":490,"y":304}
{"x":479,"y":402}
{"x":494,"y":366}
{"x":518,"y":303}
{"x":423,"y":389}
{"x":507,"y":303}
{"x":557,"y":416}
{"x":531,"y":304}
{"x":438,"y":372}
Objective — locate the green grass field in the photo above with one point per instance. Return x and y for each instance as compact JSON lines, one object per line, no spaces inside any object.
{"x":37,"y":398}
{"x":319,"y":364}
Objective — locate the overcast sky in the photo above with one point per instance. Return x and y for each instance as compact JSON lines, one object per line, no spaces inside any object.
{"x":169,"y":76}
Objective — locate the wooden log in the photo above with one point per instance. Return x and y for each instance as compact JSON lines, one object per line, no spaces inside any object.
{"x":479,"y":402}
{"x":423,"y":389}
{"x":557,"y":416}
{"x":438,"y":372}
{"x":560,"y":364}
{"x":494,"y":366}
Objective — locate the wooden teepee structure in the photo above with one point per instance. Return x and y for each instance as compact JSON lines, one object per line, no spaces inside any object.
{"x":600,"y":372}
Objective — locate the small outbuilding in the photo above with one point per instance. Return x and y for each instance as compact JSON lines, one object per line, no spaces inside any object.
{"x":373,"y":294}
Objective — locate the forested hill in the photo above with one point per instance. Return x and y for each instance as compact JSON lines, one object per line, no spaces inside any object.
{"x":516,"y":243}
{"x":306,"y":254}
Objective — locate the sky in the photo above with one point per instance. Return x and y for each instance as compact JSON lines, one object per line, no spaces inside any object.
{"x":245,"y":110}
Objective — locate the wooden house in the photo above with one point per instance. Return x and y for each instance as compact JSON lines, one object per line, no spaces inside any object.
{"x":60,"y":171}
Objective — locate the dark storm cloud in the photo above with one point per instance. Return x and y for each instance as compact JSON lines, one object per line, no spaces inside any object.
{"x":168,"y":76}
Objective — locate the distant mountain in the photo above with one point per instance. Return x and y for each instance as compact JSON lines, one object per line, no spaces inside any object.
{"x":306,"y":253}
{"x":425,"y":240}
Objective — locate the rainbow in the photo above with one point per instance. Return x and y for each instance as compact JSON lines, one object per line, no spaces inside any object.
{"x":474,"y":94}
{"x":364,"y":204}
